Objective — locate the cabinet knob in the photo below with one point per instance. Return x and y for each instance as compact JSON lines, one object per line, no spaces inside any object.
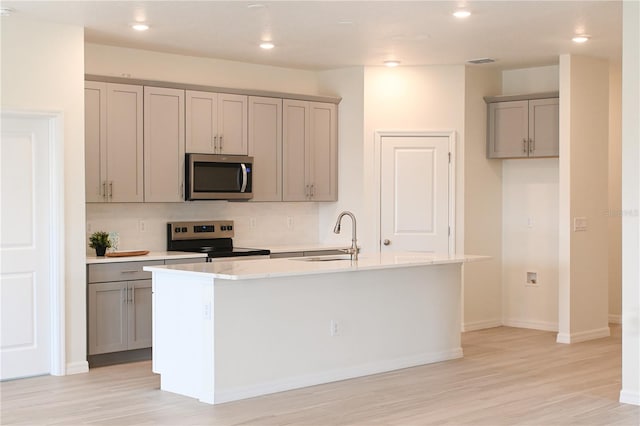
{"x":386,"y":242}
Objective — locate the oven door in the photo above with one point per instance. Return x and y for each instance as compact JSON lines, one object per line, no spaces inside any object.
{"x":218,"y":177}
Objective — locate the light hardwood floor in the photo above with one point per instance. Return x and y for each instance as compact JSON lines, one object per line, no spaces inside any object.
{"x":508,"y":376}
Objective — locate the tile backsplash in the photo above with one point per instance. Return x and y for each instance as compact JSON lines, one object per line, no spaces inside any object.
{"x":143,"y":225}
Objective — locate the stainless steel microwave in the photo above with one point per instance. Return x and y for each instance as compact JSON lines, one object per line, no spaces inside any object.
{"x":218,"y":177}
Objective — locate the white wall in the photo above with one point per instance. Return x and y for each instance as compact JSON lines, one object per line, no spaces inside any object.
{"x":146,"y":64}
{"x":630,"y":392}
{"x":482,"y":205}
{"x":615,"y":192}
{"x":271,"y":218}
{"x":530,"y":221}
{"x":42,"y":70}
{"x":530,"y":243}
{"x":583,"y":184}
{"x":410,"y":98}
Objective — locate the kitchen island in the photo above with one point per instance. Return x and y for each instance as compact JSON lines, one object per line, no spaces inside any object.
{"x":225,"y":331}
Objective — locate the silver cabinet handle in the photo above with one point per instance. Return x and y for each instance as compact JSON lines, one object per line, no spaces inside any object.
{"x":133,"y":271}
{"x":313,"y":190}
{"x":111,"y":189}
{"x":532,"y":146}
{"x":133,"y":295}
{"x":104,"y":189}
{"x":124,"y":294}
{"x":306,"y":191}
{"x":220,"y":143}
{"x":524,"y":145}
{"x":215,"y":143}
{"x":386,"y":242}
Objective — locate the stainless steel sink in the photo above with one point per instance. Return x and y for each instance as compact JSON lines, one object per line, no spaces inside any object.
{"x":322,"y":258}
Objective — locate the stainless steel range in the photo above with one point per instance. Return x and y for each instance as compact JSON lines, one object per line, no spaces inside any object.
{"x":214,"y":237}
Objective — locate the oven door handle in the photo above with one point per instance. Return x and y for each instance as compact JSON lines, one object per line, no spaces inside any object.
{"x":243,"y":188}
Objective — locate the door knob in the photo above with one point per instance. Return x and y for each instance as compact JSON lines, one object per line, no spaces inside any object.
{"x":386,"y":242}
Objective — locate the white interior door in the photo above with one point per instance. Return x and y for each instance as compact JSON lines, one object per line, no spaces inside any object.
{"x":414,"y":193}
{"x":25,"y":342}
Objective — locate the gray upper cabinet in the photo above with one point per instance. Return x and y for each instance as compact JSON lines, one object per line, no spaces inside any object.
{"x":523,"y":128}
{"x":164,"y":144}
{"x":216,"y":123}
{"x":310,"y":147}
{"x":113,"y":142}
{"x":265,"y":146}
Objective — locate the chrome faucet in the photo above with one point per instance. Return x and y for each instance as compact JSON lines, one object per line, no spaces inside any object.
{"x":353,"y":250}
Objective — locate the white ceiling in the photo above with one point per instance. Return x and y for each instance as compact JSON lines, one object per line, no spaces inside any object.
{"x":317,"y":35}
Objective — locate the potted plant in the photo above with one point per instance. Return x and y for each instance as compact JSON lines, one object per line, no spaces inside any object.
{"x":100,"y":241}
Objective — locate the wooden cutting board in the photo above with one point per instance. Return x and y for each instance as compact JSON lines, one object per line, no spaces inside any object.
{"x":127,"y":253}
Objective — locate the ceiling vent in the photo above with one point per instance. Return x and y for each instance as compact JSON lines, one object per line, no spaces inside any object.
{"x":481,"y":61}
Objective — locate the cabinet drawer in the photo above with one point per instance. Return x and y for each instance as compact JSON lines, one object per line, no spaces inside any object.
{"x":120,"y":271}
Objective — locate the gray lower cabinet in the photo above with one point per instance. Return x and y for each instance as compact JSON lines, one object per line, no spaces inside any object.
{"x":119,"y":305}
{"x":119,"y":316}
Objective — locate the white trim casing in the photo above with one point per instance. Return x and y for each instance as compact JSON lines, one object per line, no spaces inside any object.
{"x":56,"y":233}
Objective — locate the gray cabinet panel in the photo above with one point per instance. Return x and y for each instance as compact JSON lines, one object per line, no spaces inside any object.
{"x":523,"y":128}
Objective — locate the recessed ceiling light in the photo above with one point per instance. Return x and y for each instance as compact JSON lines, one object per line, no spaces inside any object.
{"x":462,"y":13}
{"x":581,"y":38}
{"x":267,"y":45}
{"x":7,"y":11}
{"x":140,"y":26}
{"x":255,"y":6}
{"x":391,"y":63}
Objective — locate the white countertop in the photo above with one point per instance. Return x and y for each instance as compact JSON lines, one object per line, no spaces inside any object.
{"x":154,"y":255}
{"x":266,"y":268}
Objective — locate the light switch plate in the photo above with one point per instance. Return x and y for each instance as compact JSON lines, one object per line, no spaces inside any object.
{"x":579,"y":224}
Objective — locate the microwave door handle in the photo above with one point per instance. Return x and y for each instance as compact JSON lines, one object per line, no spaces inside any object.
{"x":244,"y":177}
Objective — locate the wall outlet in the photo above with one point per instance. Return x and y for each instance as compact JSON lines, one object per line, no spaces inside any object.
{"x":89,"y":227}
{"x":290,"y":222}
{"x":252,"y":222}
{"x":142,"y":226}
{"x":532,"y":278}
{"x":333,"y":330}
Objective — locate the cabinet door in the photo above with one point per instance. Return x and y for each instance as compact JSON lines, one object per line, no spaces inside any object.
{"x":544,"y":131}
{"x":265,"y":146}
{"x":124,"y":143}
{"x":323,"y":143}
{"x":201,"y":122}
{"x":232,"y":124}
{"x":95,"y":141}
{"x":107,"y":317}
{"x":508,"y":129}
{"x":139,"y":314}
{"x":295,"y":141}
{"x":164,"y":145}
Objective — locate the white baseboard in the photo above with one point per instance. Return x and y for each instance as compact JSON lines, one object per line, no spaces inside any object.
{"x":481,"y":325}
{"x":582,"y":336}
{"x":332,"y":376}
{"x":534,"y":325}
{"x":627,"y":397}
{"x":615,"y":319}
{"x":77,"y":367}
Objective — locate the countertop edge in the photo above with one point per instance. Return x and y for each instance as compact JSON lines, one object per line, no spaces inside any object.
{"x":158,"y":255}
{"x":241,"y":270}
